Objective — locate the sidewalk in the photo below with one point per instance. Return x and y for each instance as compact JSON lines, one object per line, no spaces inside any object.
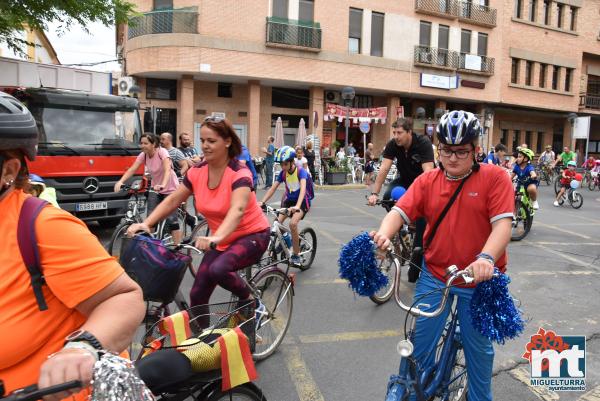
{"x":340,"y":187}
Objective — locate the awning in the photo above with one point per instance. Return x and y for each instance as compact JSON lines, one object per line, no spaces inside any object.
{"x":374,"y":115}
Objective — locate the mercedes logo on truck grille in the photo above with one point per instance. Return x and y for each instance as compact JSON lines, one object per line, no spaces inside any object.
{"x":91,"y":185}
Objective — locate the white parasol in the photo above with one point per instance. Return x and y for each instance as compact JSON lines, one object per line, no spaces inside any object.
{"x":278,"y":133}
{"x":301,"y":138}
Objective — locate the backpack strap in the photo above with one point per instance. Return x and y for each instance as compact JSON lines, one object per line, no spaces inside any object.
{"x":28,"y":246}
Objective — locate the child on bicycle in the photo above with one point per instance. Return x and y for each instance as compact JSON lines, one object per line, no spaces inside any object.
{"x":296,"y":199}
{"x":525,"y":173}
{"x":565,"y":181}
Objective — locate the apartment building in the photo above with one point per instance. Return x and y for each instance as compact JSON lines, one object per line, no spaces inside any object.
{"x":524,"y":66}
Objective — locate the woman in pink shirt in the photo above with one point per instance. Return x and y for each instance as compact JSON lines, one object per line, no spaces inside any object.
{"x":164,"y":180}
{"x":223,"y":194}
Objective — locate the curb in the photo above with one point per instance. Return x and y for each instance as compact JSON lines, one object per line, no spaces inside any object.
{"x":340,"y":187}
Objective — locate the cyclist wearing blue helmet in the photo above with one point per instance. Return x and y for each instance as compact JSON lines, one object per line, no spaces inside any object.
{"x":473,"y":234}
{"x":38,"y":188}
{"x":296,"y":200}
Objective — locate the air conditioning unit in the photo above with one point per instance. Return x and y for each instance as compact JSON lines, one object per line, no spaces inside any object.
{"x":124,"y":85}
{"x":332,"y":97}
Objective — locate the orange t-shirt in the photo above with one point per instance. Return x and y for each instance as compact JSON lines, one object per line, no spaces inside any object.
{"x":75,"y":266}
{"x":214,"y":204}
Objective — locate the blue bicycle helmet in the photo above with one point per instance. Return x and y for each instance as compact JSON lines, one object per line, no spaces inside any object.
{"x":285,"y":153}
{"x":36,"y":178}
{"x":458,"y":127}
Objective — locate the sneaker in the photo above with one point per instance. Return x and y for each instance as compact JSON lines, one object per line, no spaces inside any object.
{"x":536,"y":205}
{"x":295,"y":261}
{"x":556,"y":203}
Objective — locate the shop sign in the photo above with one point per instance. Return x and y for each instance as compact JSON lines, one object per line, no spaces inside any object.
{"x":472,"y":62}
{"x":439,"y":81}
{"x":356,"y":115}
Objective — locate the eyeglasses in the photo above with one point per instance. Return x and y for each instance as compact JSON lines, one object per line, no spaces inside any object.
{"x":460,"y":154}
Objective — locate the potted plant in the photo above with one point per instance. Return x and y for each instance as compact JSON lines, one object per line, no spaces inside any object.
{"x":336,"y":173}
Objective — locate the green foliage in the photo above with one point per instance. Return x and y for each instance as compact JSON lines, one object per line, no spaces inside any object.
{"x":336,"y":145}
{"x":38,"y":13}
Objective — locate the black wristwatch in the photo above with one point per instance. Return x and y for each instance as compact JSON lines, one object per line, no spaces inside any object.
{"x":84,"y":336}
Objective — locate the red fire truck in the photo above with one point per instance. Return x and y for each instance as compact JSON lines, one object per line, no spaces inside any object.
{"x":86,"y":143}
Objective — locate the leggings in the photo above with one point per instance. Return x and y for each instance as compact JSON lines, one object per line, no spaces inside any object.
{"x":220,"y":267}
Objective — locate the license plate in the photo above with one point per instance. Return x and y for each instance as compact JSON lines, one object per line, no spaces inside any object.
{"x":86,"y":207}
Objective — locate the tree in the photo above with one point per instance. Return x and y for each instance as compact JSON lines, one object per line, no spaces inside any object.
{"x":36,"y":14}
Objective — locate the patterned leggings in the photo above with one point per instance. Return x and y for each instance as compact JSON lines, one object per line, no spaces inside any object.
{"x":220,"y":267}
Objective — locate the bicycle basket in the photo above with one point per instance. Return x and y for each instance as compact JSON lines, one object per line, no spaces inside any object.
{"x":194,"y":332}
{"x":157,"y":269}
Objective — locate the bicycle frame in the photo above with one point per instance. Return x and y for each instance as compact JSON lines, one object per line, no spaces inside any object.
{"x":278,"y":230}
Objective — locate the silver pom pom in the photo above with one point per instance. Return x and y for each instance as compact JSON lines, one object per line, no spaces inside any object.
{"x":115,"y":379}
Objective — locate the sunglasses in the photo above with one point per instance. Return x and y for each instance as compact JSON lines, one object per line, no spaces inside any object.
{"x":214,"y":119}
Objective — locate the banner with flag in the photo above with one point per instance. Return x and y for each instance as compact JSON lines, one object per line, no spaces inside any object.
{"x":237,"y":366}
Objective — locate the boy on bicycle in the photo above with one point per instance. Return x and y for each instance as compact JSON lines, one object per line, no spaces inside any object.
{"x":473,"y":235}
{"x":525,"y":173}
{"x":296,"y":197}
{"x":565,"y":181}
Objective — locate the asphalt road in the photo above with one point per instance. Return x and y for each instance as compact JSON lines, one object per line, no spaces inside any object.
{"x":341,"y":347}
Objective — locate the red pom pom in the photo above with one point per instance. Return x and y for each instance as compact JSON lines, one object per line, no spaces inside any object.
{"x":578,"y":177}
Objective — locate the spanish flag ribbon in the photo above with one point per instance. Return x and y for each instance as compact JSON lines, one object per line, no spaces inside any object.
{"x":237,"y":366}
{"x":177,"y":326}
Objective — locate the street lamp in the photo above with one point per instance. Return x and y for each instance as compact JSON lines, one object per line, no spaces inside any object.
{"x":347,"y":94}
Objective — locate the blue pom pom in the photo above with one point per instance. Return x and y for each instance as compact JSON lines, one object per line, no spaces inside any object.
{"x":359,"y":266}
{"x":493,"y":311}
{"x":398,"y":192}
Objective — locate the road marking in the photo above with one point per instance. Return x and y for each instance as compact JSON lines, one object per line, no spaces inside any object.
{"x":361,"y":211}
{"x":329,"y":236}
{"x":347,"y":336}
{"x":562,"y":255}
{"x":593,"y":395}
{"x":557,"y":228}
{"x":541,"y":392}
{"x":583,"y":218}
{"x":305,"y":385}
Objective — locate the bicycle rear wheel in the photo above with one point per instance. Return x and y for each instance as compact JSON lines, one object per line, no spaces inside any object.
{"x":114,"y":245}
{"x":557,"y":184}
{"x":276,"y":294}
{"x":308,"y":247}
{"x":388,"y":267}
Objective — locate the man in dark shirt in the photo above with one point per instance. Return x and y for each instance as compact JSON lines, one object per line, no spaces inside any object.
{"x":414,"y":155}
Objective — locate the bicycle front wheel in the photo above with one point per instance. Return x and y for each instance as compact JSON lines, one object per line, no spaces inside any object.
{"x":114,"y":245}
{"x":308,"y":247}
{"x":521,"y":222}
{"x":388,"y":268}
{"x":276,"y":293}
{"x":576,"y":200}
{"x":557,"y":184}
{"x":244,"y":392}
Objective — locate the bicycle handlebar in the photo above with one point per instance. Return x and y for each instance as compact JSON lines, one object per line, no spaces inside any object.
{"x":277,"y":212}
{"x":33,"y":393}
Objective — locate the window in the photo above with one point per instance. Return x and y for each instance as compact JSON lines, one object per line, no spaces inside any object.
{"x":516,"y":142}
{"x":280,"y":8}
{"x":355,"y":30}
{"x":528,"y":71}
{"x":540,"y":139}
{"x":568,"y":75}
{"x":528,"y":139}
{"x":514,"y":71}
{"x":518,"y":8}
{"x":555,"y":77}
{"x":547,"y":12}
{"x":377,"y":20}
{"x":482,"y":41}
{"x":224,"y":90}
{"x":362,"y":101}
{"x":532,"y":10}
{"x":163,"y":4}
{"x":306,"y":10}
{"x":573,"y":18}
{"x":425,"y":34}
{"x":289,"y":98}
{"x":465,"y":41}
{"x":593,"y":85}
{"x":503,"y":136}
{"x":443,"y":36}
{"x":543,"y":68}
{"x":559,"y":15}
{"x":163,"y":89}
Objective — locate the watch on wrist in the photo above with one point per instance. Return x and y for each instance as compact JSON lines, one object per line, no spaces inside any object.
{"x":374,"y":193}
{"x":84,"y":336}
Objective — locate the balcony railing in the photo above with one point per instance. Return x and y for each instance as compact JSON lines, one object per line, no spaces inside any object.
{"x":482,"y":64}
{"x":476,"y":13}
{"x":589,"y":101}
{"x":163,"y":21}
{"x":287,"y":32}
{"x":462,"y":9}
{"x":434,"y":57}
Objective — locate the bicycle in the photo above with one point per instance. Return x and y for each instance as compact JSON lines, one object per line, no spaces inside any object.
{"x":33,"y":393}
{"x":594,"y":181}
{"x":402,"y":242}
{"x":572,"y":196}
{"x":447,"y":378}
{"x":545,"y":173}
{"x":557,"y":176}
{"x":523,"y":214}
{"x":278,"y":250}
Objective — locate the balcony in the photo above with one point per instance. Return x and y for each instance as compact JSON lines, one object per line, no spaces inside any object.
{"x":589,"y":101}
{"x":283,"y":32}
{"x":476,"y":64}
{"x":436,"y":58}
{"x":476,"y":14}
{"x":163,"y":21}
{"x":464,"y":10}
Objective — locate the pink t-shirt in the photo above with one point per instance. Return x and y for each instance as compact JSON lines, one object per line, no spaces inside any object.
{"x":155,"y":167}
{"x":214,"y":204}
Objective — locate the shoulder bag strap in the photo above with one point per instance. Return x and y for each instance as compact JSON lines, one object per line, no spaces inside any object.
{"x":445,"y":211}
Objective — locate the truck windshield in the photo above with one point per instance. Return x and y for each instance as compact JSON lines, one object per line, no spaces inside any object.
{"x":89,"y":130}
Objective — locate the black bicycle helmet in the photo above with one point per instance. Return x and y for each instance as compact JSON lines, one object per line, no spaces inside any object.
{"x":18,"y":129}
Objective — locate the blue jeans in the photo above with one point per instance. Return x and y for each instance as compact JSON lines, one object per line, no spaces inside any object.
{"x":479,"y":352}
{"x":268,"y":172}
